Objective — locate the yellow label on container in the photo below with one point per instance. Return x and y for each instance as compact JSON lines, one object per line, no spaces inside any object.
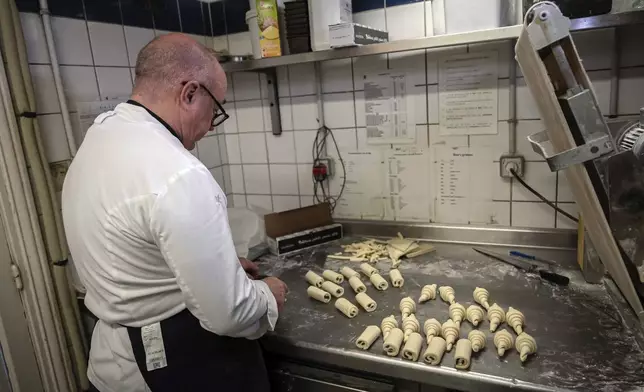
{"x":269,"y":31}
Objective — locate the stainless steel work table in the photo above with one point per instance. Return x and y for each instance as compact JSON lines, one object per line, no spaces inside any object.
{"x":584,"y":341}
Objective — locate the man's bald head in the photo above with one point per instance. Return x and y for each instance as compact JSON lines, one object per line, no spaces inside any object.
{"x":171,"y":59}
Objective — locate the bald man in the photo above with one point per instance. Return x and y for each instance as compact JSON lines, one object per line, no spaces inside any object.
{"x":148,"y":231}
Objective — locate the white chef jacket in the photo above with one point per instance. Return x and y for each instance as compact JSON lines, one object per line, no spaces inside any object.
{"x":147,"y":228}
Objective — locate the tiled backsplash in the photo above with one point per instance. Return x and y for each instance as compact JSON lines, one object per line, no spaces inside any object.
{"x":257,"y":168}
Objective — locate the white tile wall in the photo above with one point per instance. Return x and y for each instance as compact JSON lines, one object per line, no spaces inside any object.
{"x":108,"y":44}
{"x":96,"y":63}
{"x":273,"y":173}
{"x":506,"y":203}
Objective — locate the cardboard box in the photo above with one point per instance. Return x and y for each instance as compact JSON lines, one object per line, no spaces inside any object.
{"x":294,"y":230}
{"x":353,"y":34}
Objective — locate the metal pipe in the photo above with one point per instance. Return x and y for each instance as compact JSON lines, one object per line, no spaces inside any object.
{"x":51,"y":48}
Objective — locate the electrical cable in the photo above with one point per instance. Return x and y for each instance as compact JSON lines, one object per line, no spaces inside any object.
{"x":540,"y":196}
{"x":318,"y":150}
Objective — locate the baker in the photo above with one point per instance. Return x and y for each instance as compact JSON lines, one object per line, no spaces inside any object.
{"x":148,"y":231}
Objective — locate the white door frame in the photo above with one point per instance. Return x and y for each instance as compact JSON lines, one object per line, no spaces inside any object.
{"x":17,"y":349}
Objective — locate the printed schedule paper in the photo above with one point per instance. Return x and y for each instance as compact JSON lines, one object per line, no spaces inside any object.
{"x":408,"y":184}
{"x":468,"y":94}
{"x":389,"y":109}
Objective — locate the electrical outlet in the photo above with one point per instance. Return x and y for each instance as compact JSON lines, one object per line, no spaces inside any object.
{"x":507,"y":162}
{"x":328,"y":162}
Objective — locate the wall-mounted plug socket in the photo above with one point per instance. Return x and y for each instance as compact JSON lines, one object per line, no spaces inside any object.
{"x":328,"y":162}
{"x":512,"y":162}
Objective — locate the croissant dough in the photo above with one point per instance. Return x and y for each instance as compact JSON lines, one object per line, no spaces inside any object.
{"x":447,"y":294}
{"x":407,"y":307}
{"x":318,"y":294}
{"x":457,"y":313}
{"x":332,"y":276}
{"x":411,"y":350}
{"x":432,"y":328}
{"x":428,"y":292}
{"x":496,"y":315}
{"x":392,"y":342}
{"x":333,"y":289}
{"x":515,"y":319}
{"x":478,"y":340}
{"x":357,"y":285}
{"x":475,"y":314}
{"x":379,"y":282}
{"x":346,"y":307}
{"x":396,"y":278}
{"x":463,"y":354}
{"x":314,"y":279}
{"x":435,"y":350}
{"x":348,"y":272}
{"x":366,"y":339}
{"x":387,"y":324}
{"x":366,"y":302}
{"x":481,"y":296}
{"x":450,"y":331}
{"x":410,"y":324}
{"x":503,"y":341}
{"x":525,"y":345}
{"x":368,"y":269}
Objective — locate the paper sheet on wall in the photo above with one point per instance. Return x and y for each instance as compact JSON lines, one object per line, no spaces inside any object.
{"x":389,"y":109}
{"x":408,"y":184}
{"x":363,"y":192}
{"x":464,"y":180}
{"x":87,"y":112}
{"x":468,"y":93}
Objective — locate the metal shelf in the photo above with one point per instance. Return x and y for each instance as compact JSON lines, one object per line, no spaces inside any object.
{"x":438,"y":41}
{"x":473,"y":37}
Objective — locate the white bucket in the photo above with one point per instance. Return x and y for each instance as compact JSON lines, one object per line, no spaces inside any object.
{"x":253,"y":27}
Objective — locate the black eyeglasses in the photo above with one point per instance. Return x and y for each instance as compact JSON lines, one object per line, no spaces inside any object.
{"x":219,"y":115}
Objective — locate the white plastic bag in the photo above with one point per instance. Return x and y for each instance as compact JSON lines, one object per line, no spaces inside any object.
{"x":247,"y":228}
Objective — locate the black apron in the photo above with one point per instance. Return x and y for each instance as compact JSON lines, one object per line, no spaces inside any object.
{"x":199,"y":360}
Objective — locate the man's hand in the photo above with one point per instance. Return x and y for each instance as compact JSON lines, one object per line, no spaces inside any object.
{"x":279,"y":289}
{"x":252,"y":270}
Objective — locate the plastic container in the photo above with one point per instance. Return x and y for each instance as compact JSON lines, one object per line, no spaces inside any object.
{"x":253,"y":27}
{"x":269,"y":28}
{"x":322,"y":14}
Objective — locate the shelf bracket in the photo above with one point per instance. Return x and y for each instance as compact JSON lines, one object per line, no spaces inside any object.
{"x":273,"y":99}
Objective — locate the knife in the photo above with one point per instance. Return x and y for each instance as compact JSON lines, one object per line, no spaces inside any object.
{"x":531,"y":257}
{"x":546,"y":275}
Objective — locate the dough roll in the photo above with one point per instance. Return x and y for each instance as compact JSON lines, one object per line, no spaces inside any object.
{"x":357,"y":285}
{"x":368,"y":269}
{"x":435,"y":350}
{"x":332,"y":276}
{"x":314,"y":279}
{"x":346,"y":307}
{"x":396,"y":278}
{"x":366,"y":339}
{"x":393,"y":342}
{"x":379,"y":282}
{"x":411,"y":351}
{"x":349,"y":272}
{"x":366,"y":302}
{"x":333,"y":288}
{"x":318,"y":294}
{"x":463,"y":354}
